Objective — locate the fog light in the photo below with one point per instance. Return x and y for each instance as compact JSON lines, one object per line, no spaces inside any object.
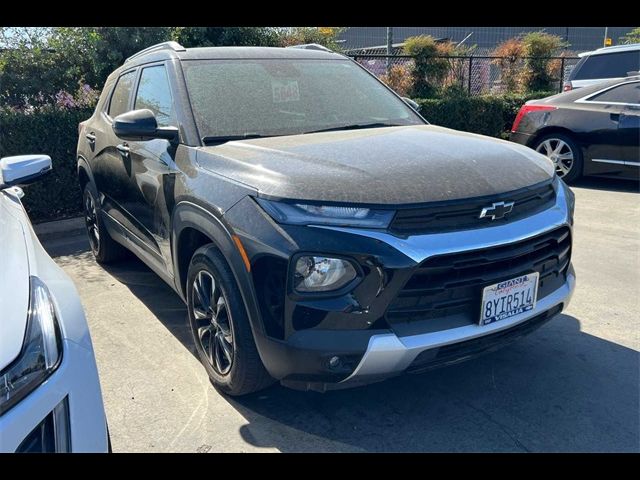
{"x":322,"y":274}
{"x":334,"y":362}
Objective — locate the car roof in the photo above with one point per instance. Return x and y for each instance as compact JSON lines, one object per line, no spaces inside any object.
{"x":614,"y":49}
{"x":578,"y":93}
{"x":173,"y":50}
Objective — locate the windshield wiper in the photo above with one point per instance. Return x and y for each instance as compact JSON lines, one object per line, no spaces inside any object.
{"x":214,"y":140}
{"x":355,"y":126}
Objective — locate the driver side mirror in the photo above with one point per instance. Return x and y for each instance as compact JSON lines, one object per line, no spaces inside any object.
{"x":140,"y":125}
{"x":23,"y":169}
{"x":411,"y":103}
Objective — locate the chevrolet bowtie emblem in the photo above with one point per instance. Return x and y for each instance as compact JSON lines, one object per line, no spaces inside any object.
{"x":497,"y":210}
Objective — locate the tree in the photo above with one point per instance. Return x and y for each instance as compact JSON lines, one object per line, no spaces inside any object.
{"x":632,"y":37}
{"x":225,"y":36}
{"x":327,"y":36}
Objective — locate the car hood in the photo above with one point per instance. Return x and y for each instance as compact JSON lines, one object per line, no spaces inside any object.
{"x":382,"y":166}
{"x":14,"y":284}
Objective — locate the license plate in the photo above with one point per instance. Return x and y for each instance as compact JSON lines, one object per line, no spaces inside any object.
{"x":508,"y":298}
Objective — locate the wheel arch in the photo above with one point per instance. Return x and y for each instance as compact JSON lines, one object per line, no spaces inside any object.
{"x":84,"y":172}
{"x":544,"y":131}
{"x":194,"y":226}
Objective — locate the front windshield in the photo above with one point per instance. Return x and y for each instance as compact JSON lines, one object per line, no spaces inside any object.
{"x":267,"y":97}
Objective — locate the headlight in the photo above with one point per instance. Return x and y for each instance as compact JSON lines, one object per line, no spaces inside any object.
{"x":322,"y":274}
{"x":307,"y":214}
{"x":41,"y":351}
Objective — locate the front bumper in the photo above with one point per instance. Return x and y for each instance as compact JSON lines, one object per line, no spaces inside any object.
{"x":75,"y":381}
{"x":354,"y":327}
{"x":388,"y":354}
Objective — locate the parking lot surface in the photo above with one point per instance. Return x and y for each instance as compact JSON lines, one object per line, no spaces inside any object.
{"x":573,"y":385}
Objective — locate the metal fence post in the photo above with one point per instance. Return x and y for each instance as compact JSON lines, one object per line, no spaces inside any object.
{"x":561,"y":74}
{"x":469,"y":79}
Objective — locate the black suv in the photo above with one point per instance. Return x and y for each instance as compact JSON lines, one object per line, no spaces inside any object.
{"x":321,"y":232}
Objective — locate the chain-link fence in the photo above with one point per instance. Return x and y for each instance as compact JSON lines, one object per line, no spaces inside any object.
{"x":477,"y":74}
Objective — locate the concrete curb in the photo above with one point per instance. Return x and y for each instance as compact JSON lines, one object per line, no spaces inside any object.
{"x":60,"y":228}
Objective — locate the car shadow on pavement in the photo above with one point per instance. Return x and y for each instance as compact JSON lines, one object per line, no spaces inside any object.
{"x":157,"y":296}
{"x":612,"y":184}
{"x":558,"y":389}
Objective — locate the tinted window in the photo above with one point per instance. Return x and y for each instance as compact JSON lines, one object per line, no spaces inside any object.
{"x":154,"y":93}
{"x":287,"y":97}
{"x":610,"y":65}
{"x":120,"y":98}
{"x":626,"y":93}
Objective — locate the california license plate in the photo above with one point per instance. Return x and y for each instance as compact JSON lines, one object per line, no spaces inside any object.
{"x":508,"y":298}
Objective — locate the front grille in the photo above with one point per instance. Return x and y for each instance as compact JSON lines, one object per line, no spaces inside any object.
{"x":464,"y":214}
{"x":450,"y":286}
{"x":458,"y":352}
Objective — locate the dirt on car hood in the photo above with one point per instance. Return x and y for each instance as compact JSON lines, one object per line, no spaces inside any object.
{"x":381,"y":166}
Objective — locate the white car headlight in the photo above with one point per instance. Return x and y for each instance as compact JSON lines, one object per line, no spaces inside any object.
{"x":41,"y":352}
{"x":309,"y":214}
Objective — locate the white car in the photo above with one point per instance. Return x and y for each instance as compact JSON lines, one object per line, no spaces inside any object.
{"x":50,"y":398}
{"x":606,"y":63}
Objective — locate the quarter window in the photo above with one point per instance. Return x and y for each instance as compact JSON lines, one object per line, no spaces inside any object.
{"x":120,"y":97}
{"x":154,"y":93}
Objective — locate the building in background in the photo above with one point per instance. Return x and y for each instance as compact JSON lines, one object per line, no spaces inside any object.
{"x":486,"y":38}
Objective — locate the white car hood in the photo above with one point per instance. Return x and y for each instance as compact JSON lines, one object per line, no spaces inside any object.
{"x":14,"y":281}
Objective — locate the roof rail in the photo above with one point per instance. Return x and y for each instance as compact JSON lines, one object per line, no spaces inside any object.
{"x":311,"y":46}
{"x":175,"y":46}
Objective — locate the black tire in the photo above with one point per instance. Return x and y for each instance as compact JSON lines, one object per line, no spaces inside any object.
{"x":553,"y":139}
{"x":246,"y":373}
{"x":105,"y":249}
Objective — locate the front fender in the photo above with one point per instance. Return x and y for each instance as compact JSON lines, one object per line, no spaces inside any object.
{"x":190,"y":215}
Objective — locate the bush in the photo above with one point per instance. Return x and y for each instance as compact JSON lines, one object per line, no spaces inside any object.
{"x":429,"y":72}
{"x":398,"y":79}
{"x":538,"y":46}
{"x":510,"y":52}
{"x":487,"y":115}
{"x":54,"y":132}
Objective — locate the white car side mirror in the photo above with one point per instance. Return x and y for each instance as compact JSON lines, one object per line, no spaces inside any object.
{"x":23,"y":169}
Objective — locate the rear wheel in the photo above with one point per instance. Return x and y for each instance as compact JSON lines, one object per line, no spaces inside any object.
{"x":564,"y":153}
{"x":104,"y":248}
{"x":220,"y":326}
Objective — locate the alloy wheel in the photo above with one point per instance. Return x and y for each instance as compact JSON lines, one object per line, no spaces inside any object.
{"x":91,"y":220}
{"x":213,"y":325}
{"x":559,"y":153}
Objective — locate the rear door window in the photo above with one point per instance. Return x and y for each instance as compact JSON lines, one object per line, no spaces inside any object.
{"x":626,"y":93}
{"x":610,"y":65}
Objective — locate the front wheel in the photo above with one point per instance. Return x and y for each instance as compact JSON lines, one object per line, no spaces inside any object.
{"x":564,"y":153}
{"x":220,"y":326}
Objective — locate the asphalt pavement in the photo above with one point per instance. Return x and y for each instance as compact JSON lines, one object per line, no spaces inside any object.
{"x":573,"y":385}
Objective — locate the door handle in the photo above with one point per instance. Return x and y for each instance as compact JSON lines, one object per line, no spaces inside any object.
{"x":123,"y":148}
{"x":91,"y":138}
{"x":615,"y":117}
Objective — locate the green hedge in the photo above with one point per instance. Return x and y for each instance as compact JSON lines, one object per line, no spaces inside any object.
{"x":53,"y":132}
{"x":488,"y":114}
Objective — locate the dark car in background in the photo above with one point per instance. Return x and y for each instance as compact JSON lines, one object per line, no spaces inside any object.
{"x":594,"y":130}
